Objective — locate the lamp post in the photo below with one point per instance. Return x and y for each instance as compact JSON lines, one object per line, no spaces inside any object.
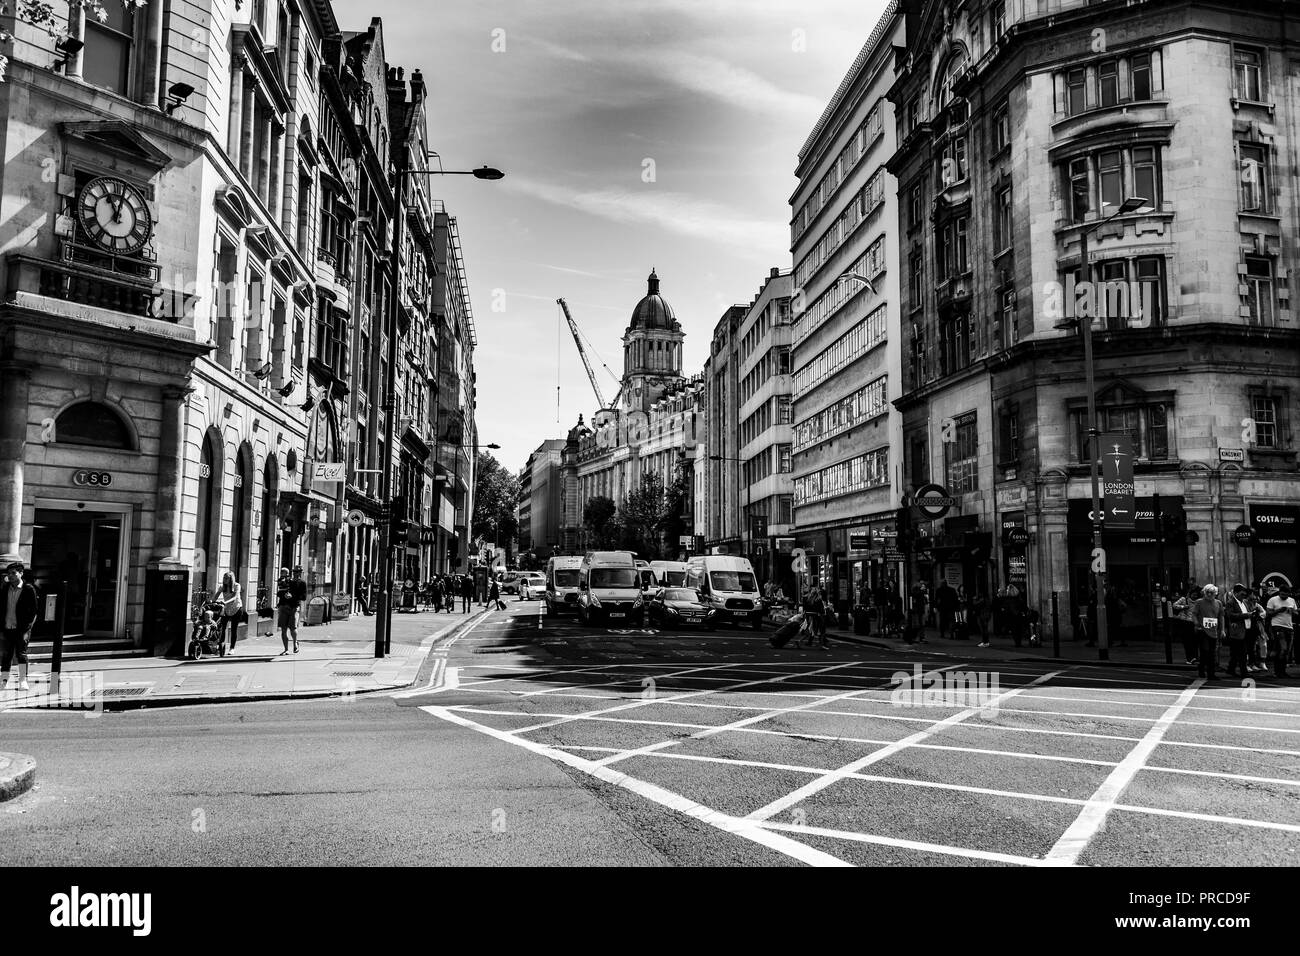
{"x":748,"y":537}
{"x":384,"y":613}
{"x":1132,"y":204}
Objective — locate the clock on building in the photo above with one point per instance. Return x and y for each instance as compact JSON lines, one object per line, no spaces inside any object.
{"x":114,"y":215}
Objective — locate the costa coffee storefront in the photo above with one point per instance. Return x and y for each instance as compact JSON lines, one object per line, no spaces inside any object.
{"x":1275,"y":556}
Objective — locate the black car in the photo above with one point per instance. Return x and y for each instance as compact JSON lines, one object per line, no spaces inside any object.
{"x":680,"y":607}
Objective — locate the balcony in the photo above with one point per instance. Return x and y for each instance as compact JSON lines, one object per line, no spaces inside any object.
{"x":86,"y":284}
{"x":326,"y":268}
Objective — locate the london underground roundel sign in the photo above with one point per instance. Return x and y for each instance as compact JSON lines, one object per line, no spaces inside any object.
{"x":932,"y":501}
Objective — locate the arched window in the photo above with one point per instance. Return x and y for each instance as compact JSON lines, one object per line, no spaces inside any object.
{"x":91,"y":423}
{"x":239,"y":529}
{"x":955,"y":66}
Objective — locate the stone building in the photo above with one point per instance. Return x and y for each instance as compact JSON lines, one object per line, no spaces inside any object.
{"x":1023,"y":127}
{"x":654,"y":422}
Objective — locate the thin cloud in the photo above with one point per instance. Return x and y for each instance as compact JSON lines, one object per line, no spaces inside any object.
{"x":670,"y":211}
{"x":710,"y":76}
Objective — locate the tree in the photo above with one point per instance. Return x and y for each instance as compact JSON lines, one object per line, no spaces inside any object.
{"x":645,"y":514}
{"x":599,"y":518}
{"x":496,"y":494}
{"x":40,"y":14}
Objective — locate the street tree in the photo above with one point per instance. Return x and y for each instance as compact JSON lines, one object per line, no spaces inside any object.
{"x":645,"y":514}
{"x":599,"y":517}
{"x":496,"y":493}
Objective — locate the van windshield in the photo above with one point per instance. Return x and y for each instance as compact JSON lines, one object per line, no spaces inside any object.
{"x":732,"y":581}
{"x":566,"y":578}
{"x":671,"y":579}
{"x":614,"y":578}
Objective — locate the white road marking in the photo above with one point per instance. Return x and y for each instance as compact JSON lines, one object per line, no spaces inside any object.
{"x":1088,"y":824}
{"x":821,"y":783}
{"x":1245,"y":778}
{"x":903,"y":844}
{"x":648,"y":791}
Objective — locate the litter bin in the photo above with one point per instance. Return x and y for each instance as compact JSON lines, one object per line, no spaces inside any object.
{"x":861,"y":620}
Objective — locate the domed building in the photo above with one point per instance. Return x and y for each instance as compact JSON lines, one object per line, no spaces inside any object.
{"x":651,"y":426}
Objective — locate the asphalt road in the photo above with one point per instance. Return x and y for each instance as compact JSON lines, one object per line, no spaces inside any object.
{"x":543,"y":743}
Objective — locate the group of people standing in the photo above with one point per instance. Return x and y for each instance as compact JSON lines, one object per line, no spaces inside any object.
{"x":441,"y":590}
{"x":1256,"y":624}
{"x":963,"y":617}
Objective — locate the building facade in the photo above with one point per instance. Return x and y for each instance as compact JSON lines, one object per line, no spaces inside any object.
{"x":1023,"y":129}
{"x":846,"y":348}
{"x":724,"y":495}
{"x":541,"y":502}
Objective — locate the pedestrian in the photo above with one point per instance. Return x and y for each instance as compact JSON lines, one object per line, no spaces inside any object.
{"x":945,"y":602}
{"x":1208,"y":621}
{"x":977,"y":612}
{"x":1257,"y":639}
{"x":19,"y":618}
{"x":466,"y":592}
{"x":494,"y":595}
{"x":1281,"y":612}
{"x":363,"y":594}
{"x":1240,"y":630}
{"x":1017,"y":615}
{"x":232,"y":607}
{"x":435,"y":594}
{"x":1183,"y":623}
{"x":288,"y":597}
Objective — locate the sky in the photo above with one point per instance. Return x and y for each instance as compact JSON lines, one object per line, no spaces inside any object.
{"x":633,"y":134}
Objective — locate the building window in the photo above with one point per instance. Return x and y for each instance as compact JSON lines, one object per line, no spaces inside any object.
{"x":782,"y":361}
{"x":90,"y":423}
{"x":952,"y":163}
{"x":1009,"y":438}
{"x":954,"y":343}
{"x":1149,"y":272}
{"x":783,"y":459}
{"x":1108,"y":82}
{"x":1001,"y":129}
{"x":917,"y":206}
{"x":785,"y":509}
{"x":962,"y":457}
{"x":1002,"y":219}
{"x":1076,"y":91}
{"x":1254,"y":178}
{"x":1010,"y":331}
{"x":913,"y":114}
{"x":1146,"y":177}
{"x":1140,"y":76}
{"x":106,"y":57}
{"x":952,"y":259}
{"x":1247,"y":65}
{"x":1259,"y":290}
{"x":1079,"y":189}
{"x":915,"y":279}
{"x":783,"y":413}
{"x":1110,"y":173}
{"x":918,"y":449}
{"x":1263,"y":409}
{"x":1147,"y":426}
{"x":1110,"y":176}
{"x":998,"y":19}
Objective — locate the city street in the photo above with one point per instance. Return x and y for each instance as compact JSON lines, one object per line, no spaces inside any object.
{"x":529,"y":740}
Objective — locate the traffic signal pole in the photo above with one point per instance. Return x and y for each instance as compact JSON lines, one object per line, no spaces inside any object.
{"x":1094,"y":466}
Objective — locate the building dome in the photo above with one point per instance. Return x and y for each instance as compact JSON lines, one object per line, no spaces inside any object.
{"x":653,"y":312}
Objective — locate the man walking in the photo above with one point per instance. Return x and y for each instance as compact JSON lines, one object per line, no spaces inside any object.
{"x":1240,"y":630}
{"x":466,"y":592}
{"x":1208,"y":618}
{"x":1281,"y":618}
{"x":19,"y":608}
{"x":945,"y":602}
{"x":290,"y":592}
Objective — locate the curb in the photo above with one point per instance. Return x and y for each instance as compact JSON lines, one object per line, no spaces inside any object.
{"x":1161,"y":665}
{"x":274,"y":696}
{"x":17,"y":775}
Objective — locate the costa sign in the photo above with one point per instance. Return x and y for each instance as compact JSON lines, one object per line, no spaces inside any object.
{"x":932,"y":501}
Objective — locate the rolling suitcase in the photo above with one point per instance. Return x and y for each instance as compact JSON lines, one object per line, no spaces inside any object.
{"x":782,"y":635}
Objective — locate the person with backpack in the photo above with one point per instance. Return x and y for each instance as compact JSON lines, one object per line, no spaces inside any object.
{"x":1207,"y":617}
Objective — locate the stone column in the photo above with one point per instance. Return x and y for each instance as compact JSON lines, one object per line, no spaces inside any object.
{"x":169,"y":495}
{"x":15,"y":380}
{"x":153,"y":50}
{"x":235,"y":131}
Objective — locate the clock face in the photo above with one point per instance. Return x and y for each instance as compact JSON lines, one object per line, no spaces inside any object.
{"x":114,"y":215}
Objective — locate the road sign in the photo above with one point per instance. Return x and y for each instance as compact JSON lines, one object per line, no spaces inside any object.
{"x":1119,"y":503}
{"x":932,"y":501}
{"x":1244,"y":536}
{"x":1232,"y":454}
{"x":355,"y":518}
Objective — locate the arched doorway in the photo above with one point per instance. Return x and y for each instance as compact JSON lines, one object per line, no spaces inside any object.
{"x":207,"y":527}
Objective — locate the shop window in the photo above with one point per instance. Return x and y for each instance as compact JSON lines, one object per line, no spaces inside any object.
{"x":90,"y":423}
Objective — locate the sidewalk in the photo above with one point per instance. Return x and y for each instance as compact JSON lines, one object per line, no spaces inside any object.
{"x":334,"y":659}
{"x":1143,"y":653}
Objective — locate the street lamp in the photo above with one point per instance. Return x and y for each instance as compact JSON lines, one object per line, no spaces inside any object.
{"x":1132,"y":204}
{"x":384,"y":613}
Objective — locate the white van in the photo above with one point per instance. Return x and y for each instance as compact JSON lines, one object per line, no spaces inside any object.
{"x":670,"y":574}
{"x":609,"y":588}
{"x":562,"y":583}
{"x":728,"y":585}
{"x":646,"y":577}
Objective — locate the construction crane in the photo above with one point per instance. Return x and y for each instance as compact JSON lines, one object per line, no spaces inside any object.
{"x":582,"y":353}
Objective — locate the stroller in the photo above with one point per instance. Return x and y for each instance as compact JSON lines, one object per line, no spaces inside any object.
{"x":208,"y":636}
{"x":783,"y":634}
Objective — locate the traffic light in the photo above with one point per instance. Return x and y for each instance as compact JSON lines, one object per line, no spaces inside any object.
{"x":397,"y":515}
{"x":903,"y":525}
{"x":1173,"y":528}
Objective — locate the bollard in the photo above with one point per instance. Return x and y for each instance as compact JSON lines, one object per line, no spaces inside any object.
{"x":56,"y":657}
{"x":1056,"y":628}
{"x":1164,"y":625}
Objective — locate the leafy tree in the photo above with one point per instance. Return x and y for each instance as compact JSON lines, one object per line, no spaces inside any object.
{"x":600,"y":519}
{"x":645,"y":514}
{"x":41,"y":14}
{"x":496,"y":493}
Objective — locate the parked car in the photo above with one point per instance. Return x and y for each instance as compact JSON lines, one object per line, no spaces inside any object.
{"x":680,"y":607}
{"x":509,"y":582}
{"x":531,"y":585}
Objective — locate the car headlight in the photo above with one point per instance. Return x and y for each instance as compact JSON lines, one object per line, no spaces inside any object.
{"x":670,"y":610}
{"x":710,"y":612}
{"x":637,"y":603}
{"x":595,"y":601}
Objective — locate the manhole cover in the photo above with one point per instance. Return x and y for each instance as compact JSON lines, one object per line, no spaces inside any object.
{"x":209,"y":682}
{"x":123,"y":691}
{"x":352,"y":674}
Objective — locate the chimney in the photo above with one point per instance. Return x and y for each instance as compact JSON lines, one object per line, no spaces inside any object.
{"x":417,"y":87}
